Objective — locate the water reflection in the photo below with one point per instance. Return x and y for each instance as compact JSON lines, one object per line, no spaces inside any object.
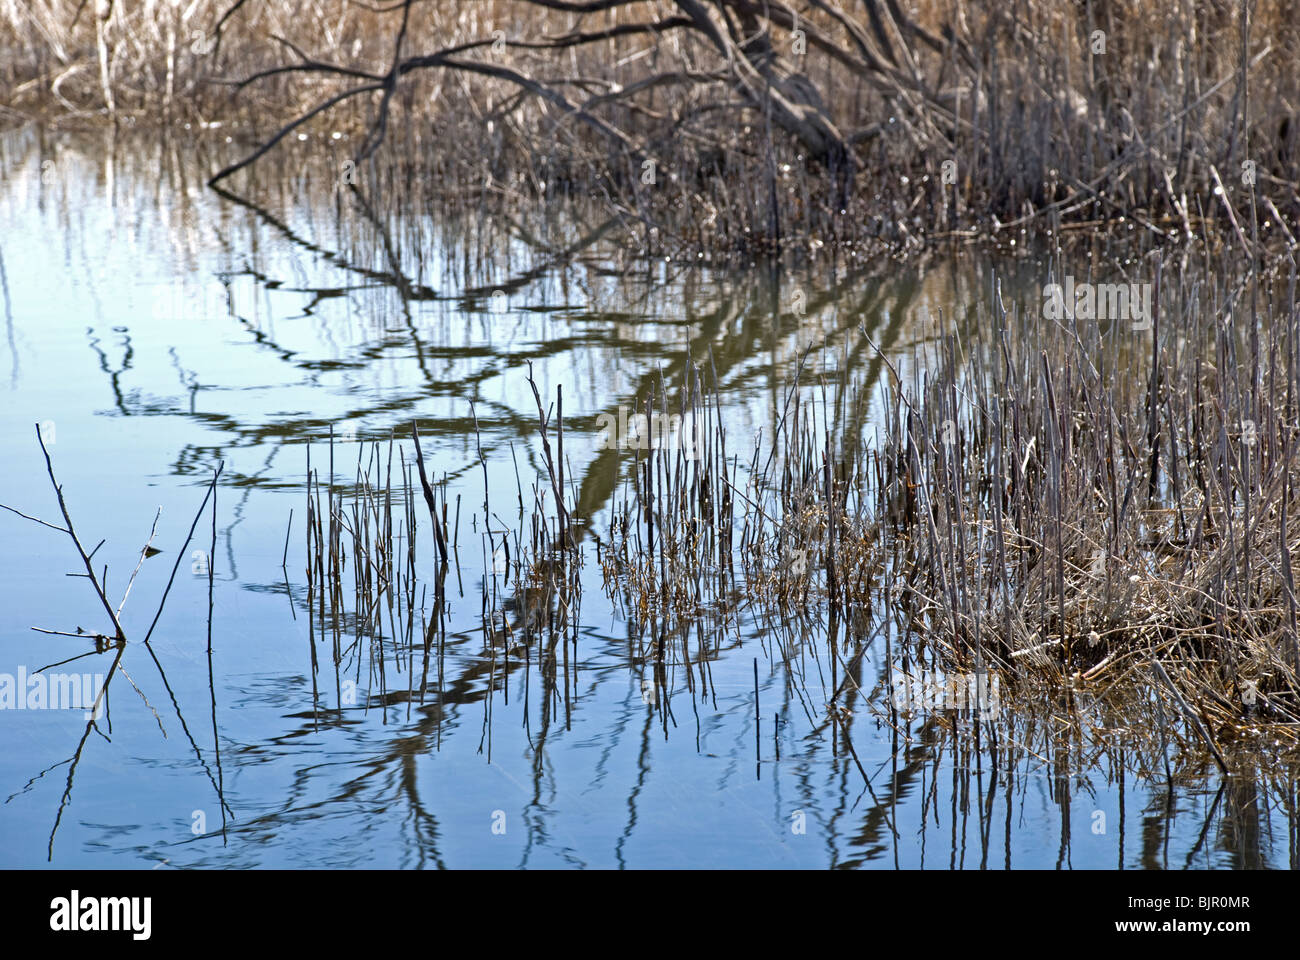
{"x":163,"y":328}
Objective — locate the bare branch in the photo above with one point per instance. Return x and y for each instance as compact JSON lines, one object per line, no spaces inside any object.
{"x":85,"y":557}
{"x":144,"y":552}
{"x":235,"y":167}
{"x":376,"y":135}
{"x":33,"y":519}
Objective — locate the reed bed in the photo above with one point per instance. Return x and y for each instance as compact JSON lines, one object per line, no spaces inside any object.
{"x":727,"y":127}
{"x":1100,"y":510}
{"x":362,"y":548}
{"x":1094,"y":504}
{"x":673,"y":525}
{"x":368,"y":596}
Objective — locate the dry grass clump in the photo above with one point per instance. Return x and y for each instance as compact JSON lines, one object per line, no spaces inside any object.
{"x":1097,"y":502}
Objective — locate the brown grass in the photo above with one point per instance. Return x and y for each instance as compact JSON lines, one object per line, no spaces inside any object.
{"x":1041,"y":134}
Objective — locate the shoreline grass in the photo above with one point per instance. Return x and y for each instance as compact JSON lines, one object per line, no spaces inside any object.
{"x":948,"y":125}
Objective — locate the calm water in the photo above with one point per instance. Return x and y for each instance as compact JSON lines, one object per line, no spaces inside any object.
{"x":154,"y":328}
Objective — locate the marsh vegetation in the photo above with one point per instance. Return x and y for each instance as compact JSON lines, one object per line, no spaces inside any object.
{"x":680,"y":428}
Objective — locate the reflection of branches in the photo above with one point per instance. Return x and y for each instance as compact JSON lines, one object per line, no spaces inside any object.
{"x":118,"y":640}
{"x":9,"y":322}
{"x":100,"y":697}
{"x":114,"y":376}
{"x":413,"y":291}
{"x":212,"y":689}
{"x":734,"y":346}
